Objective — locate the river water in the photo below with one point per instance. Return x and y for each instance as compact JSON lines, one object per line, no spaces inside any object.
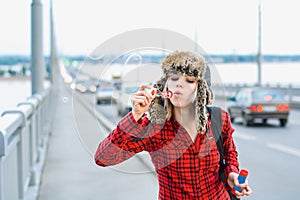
{"x":13,"y":92}
{"x":272,"y":73}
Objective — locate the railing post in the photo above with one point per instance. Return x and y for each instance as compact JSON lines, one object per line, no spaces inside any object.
{"x":2,"y":143}
{"x":32,"y":140}
{"x":21,"y":168}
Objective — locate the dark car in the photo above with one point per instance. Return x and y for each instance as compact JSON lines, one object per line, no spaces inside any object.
{"x":257,"y":103}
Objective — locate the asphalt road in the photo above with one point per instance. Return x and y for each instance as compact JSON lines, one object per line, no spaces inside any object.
{"x":269,"y":152}
{"x":272,"y":156}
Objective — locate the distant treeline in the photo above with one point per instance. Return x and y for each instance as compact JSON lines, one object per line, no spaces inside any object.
{"x":253,"y":58}
{"x":13,"y":60}
{"x":228,"y":58}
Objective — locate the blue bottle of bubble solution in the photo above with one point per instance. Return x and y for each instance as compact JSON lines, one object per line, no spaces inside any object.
{"x":242,"y":178}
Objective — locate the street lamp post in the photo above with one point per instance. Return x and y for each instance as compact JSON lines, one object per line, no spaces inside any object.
{"x":37,"y":55}
{"x":259,"y":55}
{"x":53,"y":52}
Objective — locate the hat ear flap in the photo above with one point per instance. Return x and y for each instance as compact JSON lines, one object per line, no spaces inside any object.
{"x":208,"y":96}
{"x":207,"y":77}
{"x":157,"y":112}
{"x":200,"y":104}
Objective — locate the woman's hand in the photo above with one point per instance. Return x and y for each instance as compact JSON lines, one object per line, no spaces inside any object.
{"x":232,"y":180}
{"x":140,"y":102}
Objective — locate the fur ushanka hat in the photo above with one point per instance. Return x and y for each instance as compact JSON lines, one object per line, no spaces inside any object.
{"x":189,"y":64}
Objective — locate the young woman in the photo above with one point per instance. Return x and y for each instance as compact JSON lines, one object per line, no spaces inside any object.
{"x":177,"y":134}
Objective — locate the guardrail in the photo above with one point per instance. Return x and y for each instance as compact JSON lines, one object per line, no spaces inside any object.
{"x":24,"y":133}
{"x":228,"y":90}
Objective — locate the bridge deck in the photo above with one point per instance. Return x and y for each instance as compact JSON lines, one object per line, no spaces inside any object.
{"x":70,"y":172}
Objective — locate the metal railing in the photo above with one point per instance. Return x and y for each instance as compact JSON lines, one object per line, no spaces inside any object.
{"x":24,"y":135}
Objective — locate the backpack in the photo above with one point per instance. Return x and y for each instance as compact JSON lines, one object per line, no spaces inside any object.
{"x":216,"y":126}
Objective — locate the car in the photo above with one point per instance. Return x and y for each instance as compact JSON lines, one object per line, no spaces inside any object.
{"x":122,"y":98}
{"x":84,"y":86}
{"x":258,"y":103}
{"x":104,"y":94}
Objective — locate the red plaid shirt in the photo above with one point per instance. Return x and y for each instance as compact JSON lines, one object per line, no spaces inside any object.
{"x":185,"y":169}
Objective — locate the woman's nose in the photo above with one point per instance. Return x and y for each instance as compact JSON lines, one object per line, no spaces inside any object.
{"x":179,"y":82}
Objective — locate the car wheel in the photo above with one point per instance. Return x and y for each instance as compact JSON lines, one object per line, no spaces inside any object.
{"x":231,"y":118}
{"x":246,"y":122}
{"x":283,"y":122}
{"x":265,"y":121}
{"x":98,"y":102}
{"x":119,"y":112}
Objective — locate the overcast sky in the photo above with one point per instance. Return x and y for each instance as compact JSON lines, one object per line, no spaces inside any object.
{"x":229,"y":26}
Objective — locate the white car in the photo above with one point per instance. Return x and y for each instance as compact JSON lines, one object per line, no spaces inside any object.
{"x":84,"y":86}
{"x":123,"y":102}
{"x":104,"y":94}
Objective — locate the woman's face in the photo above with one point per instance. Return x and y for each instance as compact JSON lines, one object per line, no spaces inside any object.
{"x":183,"y":88}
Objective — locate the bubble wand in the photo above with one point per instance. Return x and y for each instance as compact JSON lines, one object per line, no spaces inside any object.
{"x":154,"y":92}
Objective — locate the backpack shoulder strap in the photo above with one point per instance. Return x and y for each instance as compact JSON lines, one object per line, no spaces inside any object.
{"x":216,"y":123}
{"x":216,"y":126}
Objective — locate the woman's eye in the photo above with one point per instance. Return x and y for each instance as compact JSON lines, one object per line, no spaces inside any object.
{"x":174,"y":78}
{"x":190,"y":81}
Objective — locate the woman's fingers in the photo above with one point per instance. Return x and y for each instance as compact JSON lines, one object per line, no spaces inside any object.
{"x":245,"y":191}
{"x":248,"y":191}
{"x":141,"y":97}
{"x":233,"y":180}
{"x":142,"y":88}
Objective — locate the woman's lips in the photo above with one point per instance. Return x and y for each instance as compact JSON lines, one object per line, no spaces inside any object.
{"x":177,"y":93}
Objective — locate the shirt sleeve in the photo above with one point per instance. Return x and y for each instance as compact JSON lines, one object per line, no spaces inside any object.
{"x":127,"y":139}
{"x":230,"y":153}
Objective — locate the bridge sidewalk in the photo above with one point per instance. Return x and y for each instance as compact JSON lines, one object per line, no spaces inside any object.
{"x":70,"y":172}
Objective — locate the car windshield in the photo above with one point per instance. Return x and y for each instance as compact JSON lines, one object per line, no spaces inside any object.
{"x":267,"y":95}
{"x":107,"y":89}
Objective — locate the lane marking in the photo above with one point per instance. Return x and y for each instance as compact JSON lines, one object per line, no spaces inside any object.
{"x":285,"y":149}
{"x":244,"y":136}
